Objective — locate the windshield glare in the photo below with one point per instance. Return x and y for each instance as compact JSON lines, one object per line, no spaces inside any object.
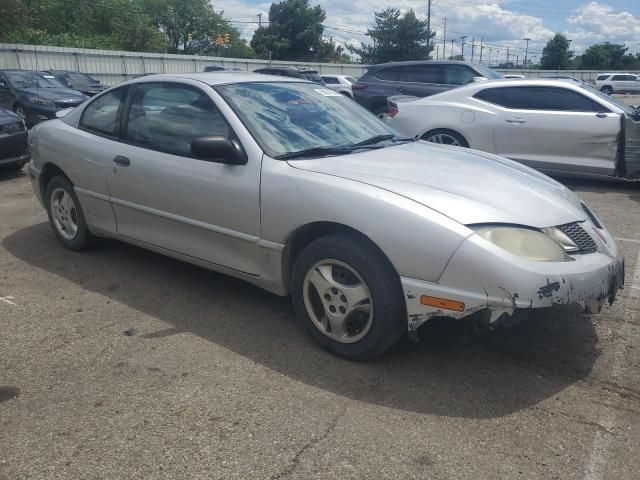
{"x":291,"y":117}
{"x":32,"y":80}
{"x":488,"y":72}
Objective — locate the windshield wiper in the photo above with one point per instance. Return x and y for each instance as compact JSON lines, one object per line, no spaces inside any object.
{"x":380,"y":139}
{"x":315,"y":152}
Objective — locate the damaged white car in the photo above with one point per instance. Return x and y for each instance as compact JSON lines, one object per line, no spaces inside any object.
{"x":560,"y":127}
{"x":297,"y":189}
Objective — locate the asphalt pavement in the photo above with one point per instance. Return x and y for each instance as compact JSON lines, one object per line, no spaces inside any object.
{"x":119,"y":363}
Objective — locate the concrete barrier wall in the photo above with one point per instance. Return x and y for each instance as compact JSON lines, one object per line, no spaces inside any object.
{"x":112,"y":66}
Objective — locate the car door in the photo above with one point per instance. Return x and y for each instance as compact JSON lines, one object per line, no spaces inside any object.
{"x":633,"y":83}
{"x":620,"y":83}
{"x":166,"y":198}
{"x":554,"y":128}
{"x":423,"y":80}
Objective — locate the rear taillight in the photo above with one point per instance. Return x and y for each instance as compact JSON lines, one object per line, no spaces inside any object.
{"x":358,"y":86}
{"x":393,"y":110}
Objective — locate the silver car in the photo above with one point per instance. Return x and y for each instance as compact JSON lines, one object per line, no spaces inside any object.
{"x":295,"y":188}
{"x":340,"y":83}
{"x":560,"y":127}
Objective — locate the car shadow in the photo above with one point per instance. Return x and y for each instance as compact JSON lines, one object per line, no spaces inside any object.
{"x":450,"y":373}
{"x":10,"y":174}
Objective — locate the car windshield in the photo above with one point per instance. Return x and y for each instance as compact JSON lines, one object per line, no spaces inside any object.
{"x":293,"y":117}
{"x":488,"y":72}
{"x":32,"y":80}
{"x":81,"y":79}
{"x":609,"y":98}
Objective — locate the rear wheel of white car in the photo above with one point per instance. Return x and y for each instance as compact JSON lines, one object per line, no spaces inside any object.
{"x":65,"y":214}
{"x":348,"y":296}
{"x":607,"y":89}
{"x":446,"y":137}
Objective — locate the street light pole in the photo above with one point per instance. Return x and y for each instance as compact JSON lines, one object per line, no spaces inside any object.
{"x":526,"y":51}
{"x":462,"y":38}
{"x":428,"y":27}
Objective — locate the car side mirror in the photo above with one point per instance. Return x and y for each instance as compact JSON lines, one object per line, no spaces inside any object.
{"x":218,"y":149}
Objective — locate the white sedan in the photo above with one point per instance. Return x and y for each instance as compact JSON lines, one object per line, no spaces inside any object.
{"x":556,"y":126}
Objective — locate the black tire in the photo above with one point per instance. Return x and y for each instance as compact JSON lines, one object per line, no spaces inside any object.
{"x":389,"y":320}
{"x":607,"y":90}
{"x":83,"y":237}
{"x":445,"y":131}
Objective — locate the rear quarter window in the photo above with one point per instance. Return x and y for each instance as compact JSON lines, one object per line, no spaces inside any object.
{"x":554,"y":99}
{"x":390,"y":74}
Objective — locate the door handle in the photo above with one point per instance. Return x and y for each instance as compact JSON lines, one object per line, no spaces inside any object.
{"x":122,"y":161}
{"x":601,"y":115}
{"x":516,"y":121}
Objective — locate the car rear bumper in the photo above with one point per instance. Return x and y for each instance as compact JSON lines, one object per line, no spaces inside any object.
{"x":491,"y":285}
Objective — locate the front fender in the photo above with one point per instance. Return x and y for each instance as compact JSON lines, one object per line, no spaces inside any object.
{"x":416,"y":239}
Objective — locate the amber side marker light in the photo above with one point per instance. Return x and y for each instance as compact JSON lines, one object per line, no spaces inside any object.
{"x":442,"y":303}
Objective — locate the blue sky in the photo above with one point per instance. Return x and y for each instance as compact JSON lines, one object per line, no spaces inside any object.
{"x":502,"y":23}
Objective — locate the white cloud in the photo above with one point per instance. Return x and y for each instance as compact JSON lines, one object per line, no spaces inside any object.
{"x":500,"y":26}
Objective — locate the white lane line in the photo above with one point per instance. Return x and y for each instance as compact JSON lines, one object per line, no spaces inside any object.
{"x":632,"y":240}
{"x":8,"y":300}
{"x":601,"y":449}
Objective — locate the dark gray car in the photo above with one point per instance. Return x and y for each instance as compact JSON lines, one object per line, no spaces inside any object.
{"x":13,"y":141}
{"x":418,"y":79}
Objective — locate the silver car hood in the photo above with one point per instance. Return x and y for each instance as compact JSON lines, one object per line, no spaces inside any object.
{"x":465,"y":185}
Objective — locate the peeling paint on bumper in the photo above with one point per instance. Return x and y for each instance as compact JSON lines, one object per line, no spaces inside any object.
{"x":485,"y":277}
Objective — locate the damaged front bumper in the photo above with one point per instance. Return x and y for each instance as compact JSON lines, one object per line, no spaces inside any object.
{"x":481,"y":277}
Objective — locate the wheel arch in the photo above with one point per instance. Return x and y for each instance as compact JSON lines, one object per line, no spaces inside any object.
{"x":50,"y":170}
{"x":309,"y":232}
{"x":456,"y":131}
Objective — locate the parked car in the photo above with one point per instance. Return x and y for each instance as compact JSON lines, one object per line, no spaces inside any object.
{"x":298,"y":190}
{"x":79,"y":81}
{"x":303,"y":73}
{"x":556,"y":126}
{"x":340,"y":83}
{"x":35,"y":96}
{"x":611,"y":83}
{"x":13,"y":141}
{"x":417,"y":78}
{"x":221,"y":68}
{"x":513,"y":75}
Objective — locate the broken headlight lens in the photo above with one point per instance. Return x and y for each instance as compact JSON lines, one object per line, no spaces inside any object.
{"x":523,"y":242}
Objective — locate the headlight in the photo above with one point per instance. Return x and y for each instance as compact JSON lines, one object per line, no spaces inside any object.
{"x":563,"y":239}
{"x":524,"y":242}
{"x":42,"y":102}
{"x":12,"y":128}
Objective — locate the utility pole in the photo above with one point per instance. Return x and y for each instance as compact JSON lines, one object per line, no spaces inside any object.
{"x":444,"y":40}
{"x":507,"y":57}
{"x":526,"y":51}
{"x":452,"y":41}
{"x":473,"y":46}
{"x":437,"y":52}
{"x":462,"y":41}
{"x":428,"y":27}
{"x":259,"y":20}
{"x":490,"y":50}
{"x":481,"y":47}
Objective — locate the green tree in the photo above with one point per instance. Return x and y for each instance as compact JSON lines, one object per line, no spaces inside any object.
{"x":607,"y":56}
{"x":556,"y":54}
{"x":396,"y":37}
{"x":294,"y":33}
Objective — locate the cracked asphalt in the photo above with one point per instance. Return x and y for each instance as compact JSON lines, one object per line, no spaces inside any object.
{"x":218,"y":380}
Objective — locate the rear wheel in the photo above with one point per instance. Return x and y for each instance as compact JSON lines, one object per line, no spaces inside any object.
{"x":65,"y":214}
{"x":446,"y":137}
{"x":348,"y":297}
{"x":607,"y":89}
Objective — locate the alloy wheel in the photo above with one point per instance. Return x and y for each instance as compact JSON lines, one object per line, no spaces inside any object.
{"x":338,"y":301}
{"x":444,"y":139}
{"x":64,"y":214}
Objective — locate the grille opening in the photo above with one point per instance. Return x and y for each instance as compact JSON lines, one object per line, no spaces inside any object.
{"x":585,"y":243}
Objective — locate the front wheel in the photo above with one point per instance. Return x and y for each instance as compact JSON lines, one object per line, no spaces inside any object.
{"x":446,"y":137}
{"x":65,"y":214}
{"x":348,"y":297}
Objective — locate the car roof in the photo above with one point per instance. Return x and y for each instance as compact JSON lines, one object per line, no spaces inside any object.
{"x":220,"y":78}
{"x":416,"y":62}
{"x":507,"y":82}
